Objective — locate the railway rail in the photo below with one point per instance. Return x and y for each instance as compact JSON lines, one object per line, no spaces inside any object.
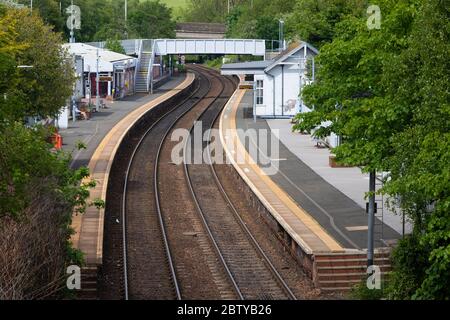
{"x":181,"y":236}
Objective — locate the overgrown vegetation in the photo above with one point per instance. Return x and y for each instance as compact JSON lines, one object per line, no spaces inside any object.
{"x":38,"y":190}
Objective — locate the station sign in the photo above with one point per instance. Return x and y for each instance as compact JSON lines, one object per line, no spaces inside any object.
{"x":105,"y":78}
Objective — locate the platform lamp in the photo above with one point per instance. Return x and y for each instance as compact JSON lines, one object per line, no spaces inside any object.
{"x":126,"y":18}
{"x":371,"y":219}
{"x":97,"y":88}
{"x":281,"y":35}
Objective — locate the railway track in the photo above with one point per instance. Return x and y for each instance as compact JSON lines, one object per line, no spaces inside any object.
{"x":182,"y":238}
{"x":248,"y":267}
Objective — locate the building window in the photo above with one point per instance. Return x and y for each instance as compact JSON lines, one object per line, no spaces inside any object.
{"x":259,"y":91}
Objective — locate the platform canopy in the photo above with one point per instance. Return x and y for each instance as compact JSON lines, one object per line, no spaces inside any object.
{"x":252,"y":67}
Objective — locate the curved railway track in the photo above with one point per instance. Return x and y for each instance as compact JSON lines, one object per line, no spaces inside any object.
{"x":182,"y":238}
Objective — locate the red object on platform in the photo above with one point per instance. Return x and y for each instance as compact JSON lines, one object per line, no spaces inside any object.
{"x":57,"y":141}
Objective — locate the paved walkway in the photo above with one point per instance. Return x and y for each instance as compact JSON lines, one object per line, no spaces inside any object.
{"x":91,"y":132}
{"x":350,"y":181}
{"x":343,"y":218}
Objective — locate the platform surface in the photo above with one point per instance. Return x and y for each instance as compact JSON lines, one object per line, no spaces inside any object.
{"x":350,"y":181}
{"x":336,"y":219}
{"x":343,"y":218}
{"x":91,"y":132}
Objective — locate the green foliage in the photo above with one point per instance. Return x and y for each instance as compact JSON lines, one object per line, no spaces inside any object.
{"x":38,"y":190}
{"x":175,"y":3}
{"x":260,"y":21}
{"x":386,"y":93}
{"x":49,"y":11}
{"x":361,"y":292}
{"x":180,"y":67}
{"x":25,"y":160}
{"x":315,"y":21}
{"x":152,"y":20}
{"x":214,"y":63}
{"x":349,"y":91}
{"x":104,"y":19}
{"x":205,"y":11}
{"x":409,"y":262}
{"x":114,"y":45}
{"x":41,"y":88}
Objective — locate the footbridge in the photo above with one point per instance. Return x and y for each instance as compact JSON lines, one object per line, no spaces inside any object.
{"x":150,"y":51}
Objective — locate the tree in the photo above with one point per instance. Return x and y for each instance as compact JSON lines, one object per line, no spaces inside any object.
{"x":49,"y":11}
{"x":417,"y":83}
{"x":45,"y":85}
{"x":314,"y":21}
{"x":9,"y":50}
{"x":152,"y":20}
{"x":38,"y":190}
{"x":386,"y":94}
{"x":206,"y":11}
{"x":114,"y":45}
{"x":259,"y":21}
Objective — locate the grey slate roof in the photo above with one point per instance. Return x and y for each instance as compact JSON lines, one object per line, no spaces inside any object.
{"x":248,"y":65}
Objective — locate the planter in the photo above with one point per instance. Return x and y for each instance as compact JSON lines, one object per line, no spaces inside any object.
{"x":334,"y":164}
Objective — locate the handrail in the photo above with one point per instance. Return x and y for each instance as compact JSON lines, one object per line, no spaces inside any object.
{"x":150,"y":69}
{"x":138,"y":64}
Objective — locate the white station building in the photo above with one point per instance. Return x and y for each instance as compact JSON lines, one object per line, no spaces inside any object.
{"x":116,"y":71}
{"x":278,"y":83}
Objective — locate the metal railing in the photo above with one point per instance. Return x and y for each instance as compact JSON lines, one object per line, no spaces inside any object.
{"x":138,"y":49}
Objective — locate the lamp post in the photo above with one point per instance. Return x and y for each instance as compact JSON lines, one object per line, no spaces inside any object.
{"x":126,"y":19}
{"x":281,"y":35}
{"x":97,"y":80}
{"x":72,"y":37}
{"x":371,"y":219}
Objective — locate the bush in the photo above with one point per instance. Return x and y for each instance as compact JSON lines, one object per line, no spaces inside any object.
{"x":409,"y":266}
{"x":38,"y":194}
{"x":362,"y":292}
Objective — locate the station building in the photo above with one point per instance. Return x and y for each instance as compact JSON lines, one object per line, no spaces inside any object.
{"x":116,"y":71}
{"x":277,"y":83}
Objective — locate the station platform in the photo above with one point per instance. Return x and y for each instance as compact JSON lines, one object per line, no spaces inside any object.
{"x":348,"y":180}
{"x":325,"y":229}
{"x":103,"y":137}
{"x":91,"y":132}
{"x":332,"y":213}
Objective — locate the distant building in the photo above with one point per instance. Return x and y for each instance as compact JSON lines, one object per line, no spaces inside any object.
{"x":196,"y":30}
{"x":278,"y":82}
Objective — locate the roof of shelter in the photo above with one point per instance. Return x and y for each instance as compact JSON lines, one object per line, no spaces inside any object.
{"x":248,"y":65}
{"x":107,"y":59}
{"x":266,"y":65}
{"x":88,"y":50}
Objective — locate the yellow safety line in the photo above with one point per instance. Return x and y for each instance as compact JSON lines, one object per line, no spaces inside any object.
{"x":128,"y":121}
{"x":306,"y":218}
